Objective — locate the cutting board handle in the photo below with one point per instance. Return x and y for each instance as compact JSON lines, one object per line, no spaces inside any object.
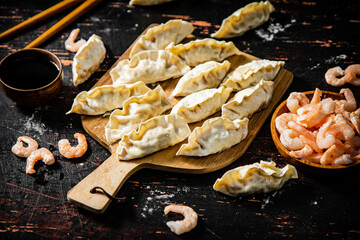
{"x":110,"y":176}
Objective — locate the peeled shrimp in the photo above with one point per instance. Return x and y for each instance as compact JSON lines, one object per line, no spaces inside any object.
{"x":187,"y":224}
{"x":316,"y":96}
{"x":20,"y":150}
{"x":70,"y":43}
{"x":291,"y":140}
{"x":334,"y":152}
{"x":295,"y":101}
{"x":39,"y":154}
{"x":310,"y":115}
{"x":282,"y":121}
{"x":352,"y":72}
{"x":355,"y":120}
{"x":332,"y":77}
{"x":73,"y":152}
{"x":304,"y":152}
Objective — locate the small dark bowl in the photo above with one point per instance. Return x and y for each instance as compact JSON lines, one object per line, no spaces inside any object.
{"x":34,"y":96}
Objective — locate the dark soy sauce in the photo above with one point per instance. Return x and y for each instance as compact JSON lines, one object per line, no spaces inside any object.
{"x":29,"y":73}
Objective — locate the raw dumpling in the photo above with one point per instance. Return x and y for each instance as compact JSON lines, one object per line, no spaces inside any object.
{"x":158,"y":37}
{"x":204,"y":50}
{"x":215,"y":135}
{"x":135,"y":111}
{"x":87,"y":59}
{"x":200,"y":105}
{"x":203,"y":76}
{"x":106,"y":98}
{"x":153,"y":135}
{"x":248,"y":101}
{"x":148,"y":2}
{"x":251,"y":73}
{"x":254,"y":178}
{"x":148,"y":66}
{"x":244,"y":19}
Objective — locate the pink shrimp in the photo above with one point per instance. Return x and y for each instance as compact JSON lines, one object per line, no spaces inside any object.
{"x":310,"y":115}
{"x":314,"y":158}
{"x":334,"y":152}
{"x":70,"y":43}
{"x":282,"y":121}
{"x":73,"y":152}
{"x":187,"y":224}
{"x":295,"y":101}
{"x":39,"y":154}
{"x":355,"y":120}
{"x":316,"y":96}
{"x":291,"y":140}
{"x":20,"y":150}
{"x":307,"y":150}
{"x":332,"y":77}
{"x":352,"y":72}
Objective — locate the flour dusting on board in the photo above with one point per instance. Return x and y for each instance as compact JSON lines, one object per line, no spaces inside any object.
{"x":273,"y":28}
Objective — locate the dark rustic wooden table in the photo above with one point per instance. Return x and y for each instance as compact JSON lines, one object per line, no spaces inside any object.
{"x":310,"y":36}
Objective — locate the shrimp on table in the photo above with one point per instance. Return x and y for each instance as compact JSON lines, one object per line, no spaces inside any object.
{"x":295,"y":101}
{"x":353,"y":71}
{"x":39,"y":154}
{"x":70,"y":43}
{"x":332,"y":77}
{"x":73,"y":152}
{"x":187,"y":224}
{"x":20,"y":150}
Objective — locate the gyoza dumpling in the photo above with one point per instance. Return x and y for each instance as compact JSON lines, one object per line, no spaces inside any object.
{"x":254,"y":178}
{"x":203,"y":76}
{"x":200,"y":105}
{"x":87,"y":59}
{"x":106,"y":98}
{"x":158,"y":37}
{"x":135,"y":111}
{"x":148,"y":2}
{"x":251,"y":73}
{"x":153,"y":135}
{"x":215,"y":135}
{"x":204,"y":50}
{"x":244,"y":19}
{"x":148,"y":66}
{"x":248,"y":101}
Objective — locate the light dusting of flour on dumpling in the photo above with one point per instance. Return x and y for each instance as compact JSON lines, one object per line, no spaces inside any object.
{"x":273,"y":28}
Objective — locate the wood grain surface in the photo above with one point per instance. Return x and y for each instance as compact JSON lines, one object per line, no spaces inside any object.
{"x":310,"y":36}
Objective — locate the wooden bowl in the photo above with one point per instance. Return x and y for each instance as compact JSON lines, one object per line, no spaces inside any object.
{"x":34,"y":92}
{"x":303,"y":164}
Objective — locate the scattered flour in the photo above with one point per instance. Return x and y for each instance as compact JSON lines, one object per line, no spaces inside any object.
{"x":32,"y":124}
{"x":155,"y":202}
{"x":336,"y":59}
{"x":274,"y":28}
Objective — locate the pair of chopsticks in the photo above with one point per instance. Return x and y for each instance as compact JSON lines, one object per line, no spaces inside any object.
{"x":79,"y":11}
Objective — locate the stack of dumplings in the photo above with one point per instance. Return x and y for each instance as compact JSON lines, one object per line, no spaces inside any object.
{"x":144,"y":121}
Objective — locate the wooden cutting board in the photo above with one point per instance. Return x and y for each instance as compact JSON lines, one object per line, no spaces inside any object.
{"x":112,"y":173}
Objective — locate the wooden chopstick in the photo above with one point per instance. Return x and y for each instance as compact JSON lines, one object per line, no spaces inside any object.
{"x":40,"y":17}
{"x":83,"y":8}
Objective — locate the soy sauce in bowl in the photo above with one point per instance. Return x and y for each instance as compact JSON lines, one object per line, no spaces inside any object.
{"x":31,"y":77}
{"x":29,"y":73}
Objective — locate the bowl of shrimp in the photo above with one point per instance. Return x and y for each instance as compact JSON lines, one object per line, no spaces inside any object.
{"x":318,"y":131}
